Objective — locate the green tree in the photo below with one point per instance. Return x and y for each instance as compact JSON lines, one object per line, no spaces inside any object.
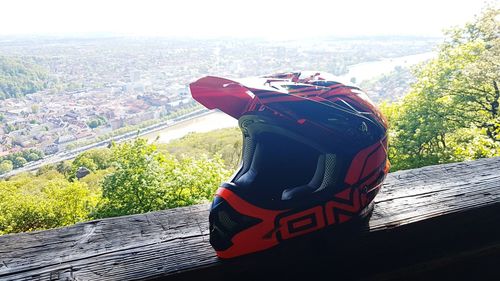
{"x":45,"y":169}
{"x":64,"y":167}
{"x":225,"y":143}
{"x":94,"y":159}
{"x":6,"y":166}
{"x":146,"y":180}
{"x":96,"y":122}
{"x":93,"y":124}
{"x":32,"y":157}
{"x":451,"y":112}
{"x":19,"y":77}
{"x":95,"y":179}
{"x":45,"y":201}
{"x":19,"y":162}
{"x":470,"y":72}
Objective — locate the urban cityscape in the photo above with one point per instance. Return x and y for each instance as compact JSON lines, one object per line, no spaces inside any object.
{"x":95,"y":88}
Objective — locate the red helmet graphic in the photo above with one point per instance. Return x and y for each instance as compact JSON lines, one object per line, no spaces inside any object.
{"x":314,"y":156}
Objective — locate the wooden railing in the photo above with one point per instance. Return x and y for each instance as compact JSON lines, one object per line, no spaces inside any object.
{"x":437,"y":222}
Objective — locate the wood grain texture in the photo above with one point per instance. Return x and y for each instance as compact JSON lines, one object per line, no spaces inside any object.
{"x":422,"y":219}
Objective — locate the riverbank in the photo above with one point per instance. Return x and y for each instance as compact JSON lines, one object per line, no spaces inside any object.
{"x":205,"y":123}
{"x":372,"y":69}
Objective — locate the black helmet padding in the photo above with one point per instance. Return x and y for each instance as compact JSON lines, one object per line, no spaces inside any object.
{"x":278,"y":167}
{"x":324,"y":178}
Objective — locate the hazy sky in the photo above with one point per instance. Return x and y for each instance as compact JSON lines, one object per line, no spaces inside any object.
{"x":250,"y":18}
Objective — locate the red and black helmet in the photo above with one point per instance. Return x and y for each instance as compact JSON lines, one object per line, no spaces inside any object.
{"x":314,"y":156}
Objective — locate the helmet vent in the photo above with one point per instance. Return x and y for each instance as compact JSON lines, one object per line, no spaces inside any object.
{"x":248,"y":149}
{"x":329,"y":177}
{"x":247,"y":155}
{"x":226,"y":221}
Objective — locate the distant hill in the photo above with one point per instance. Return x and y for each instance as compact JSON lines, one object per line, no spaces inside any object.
{"x":391,"y":86}
{"x":225,"y":142}
{"x":21,"y":77}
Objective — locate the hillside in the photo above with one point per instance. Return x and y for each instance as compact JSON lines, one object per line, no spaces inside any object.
{"x":19,"y":77}
{"x":389,"y":87}
{"x":223,"y":142}
{"x":127,"y":178}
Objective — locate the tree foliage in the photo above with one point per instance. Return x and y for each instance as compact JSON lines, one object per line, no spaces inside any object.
{"x":46,"y":201}
{"x":94,"y":123}
{"x":451,"y":112}
{"x":20,"y":77}
{"x":19,"y":159}
{"x":225,"y":143}
{"x":146,"y":180}
{"x":390,"y":86}
{"x":128,"y":178}
{"x":94,"y":160}
{"x":6,"y":166}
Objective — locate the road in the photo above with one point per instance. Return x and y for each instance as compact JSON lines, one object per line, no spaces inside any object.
{"x":70,"y":154}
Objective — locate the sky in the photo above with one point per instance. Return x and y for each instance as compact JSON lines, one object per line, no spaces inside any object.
{"x":234,"y":18}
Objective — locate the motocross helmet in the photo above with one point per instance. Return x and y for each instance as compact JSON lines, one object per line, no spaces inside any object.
{"x":314,"y":156}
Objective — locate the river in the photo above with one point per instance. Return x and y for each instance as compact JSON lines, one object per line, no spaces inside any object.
{"x":219,"y":120}
{"x":372,"y":69}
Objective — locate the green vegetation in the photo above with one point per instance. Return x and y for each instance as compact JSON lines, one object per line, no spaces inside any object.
{"x":19,"y":77}
{"x":391,"y":86}
{"x":223,"y":143}
{"x":451,"y":113}
{"x":6,"y":166}
{"x":19,"y":159}
{"x":46,"y":201}
{"x":127,"y":178}
{"x":99,"y":121}
{"x":94,"y":160}
{"x":146,"y":180}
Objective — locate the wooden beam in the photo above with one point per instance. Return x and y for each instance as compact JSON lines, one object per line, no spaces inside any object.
{"x":426,"y":221}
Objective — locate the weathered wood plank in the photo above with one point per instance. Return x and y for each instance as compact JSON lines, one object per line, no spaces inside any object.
{"x":411,"y":208}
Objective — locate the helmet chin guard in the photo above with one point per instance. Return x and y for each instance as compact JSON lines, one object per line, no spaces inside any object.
{"x":314,"y":156}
